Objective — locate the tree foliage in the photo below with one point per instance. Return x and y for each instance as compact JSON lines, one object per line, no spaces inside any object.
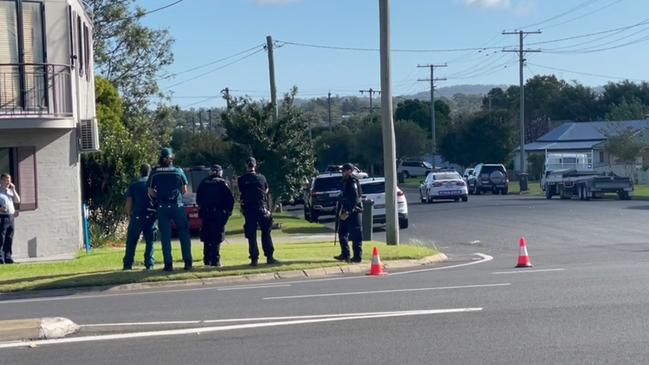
{"x":282,"y":148}
{"x":127,"y":53}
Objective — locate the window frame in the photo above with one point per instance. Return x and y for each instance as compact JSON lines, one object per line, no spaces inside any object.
{"x":15,"y":172}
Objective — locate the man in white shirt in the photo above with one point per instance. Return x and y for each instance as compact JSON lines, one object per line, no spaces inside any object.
{"x":8,"y":197}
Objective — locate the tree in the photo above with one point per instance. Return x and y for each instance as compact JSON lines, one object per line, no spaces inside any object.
{"x":628,"y":109}
{"x":410,"y":139}
{"x":130,"y":55}
{"x":624,"y":146}
{"x":335,"y":147}
{"x":577,"y":103}
{"x":282,"y":148}
{"x":418,"y":111}
{"x":107,"y":174}
{"x":203,"y":149}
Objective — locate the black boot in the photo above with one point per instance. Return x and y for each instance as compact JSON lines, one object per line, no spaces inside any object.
{"x":168,"y":267}
{"x":342,"y":258}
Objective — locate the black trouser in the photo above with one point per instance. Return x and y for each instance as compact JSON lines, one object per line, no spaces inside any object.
{"x":6,"y":237}
{"x":212,"y":235}
{"x":351,"y":227}
{"x":256,"y":218}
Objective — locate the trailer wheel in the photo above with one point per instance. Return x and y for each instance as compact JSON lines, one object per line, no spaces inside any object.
{"x":563,"y":193}
{"x":624,"y":195}
{"x":548,"y":192}
{"x":586,"y":193}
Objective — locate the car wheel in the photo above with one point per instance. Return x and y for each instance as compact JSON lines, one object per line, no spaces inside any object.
{"x":456,"y":199}
{"x":465,"y":199}
{"x":314,"y":216}
{"x":430,"y":200}
{"x":548,"y":192}
{"x":504,"y":191}
{"x":423,"y":200}
{"x":476,"y":191}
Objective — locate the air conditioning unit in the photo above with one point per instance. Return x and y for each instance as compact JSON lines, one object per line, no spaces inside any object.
{"x":88,"y":135}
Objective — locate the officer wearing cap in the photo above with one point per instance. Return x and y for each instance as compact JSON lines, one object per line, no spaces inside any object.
{"x":253,"y":188}
{"x":167,"y":185}
{"x":142,"y":216}
{"x":215,"y":204}
{"x":349,"y":215}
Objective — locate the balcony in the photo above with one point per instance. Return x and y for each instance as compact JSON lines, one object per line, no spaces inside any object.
{"x":35,"y":90}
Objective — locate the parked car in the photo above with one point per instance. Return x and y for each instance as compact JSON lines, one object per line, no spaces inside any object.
{"x":195,"y":175}
{"x":321,"y":197}
{"x":373,"y":188}
{"x":414,"y":168}
{"x":467,"y":172}
{"x":489,"y":177}
{"x":443,"y":186}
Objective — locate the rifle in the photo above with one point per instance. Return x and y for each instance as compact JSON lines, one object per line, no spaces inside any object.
{"x":337,"y":222}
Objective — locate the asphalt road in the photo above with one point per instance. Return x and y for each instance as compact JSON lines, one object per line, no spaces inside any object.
{"x":584,"y":302}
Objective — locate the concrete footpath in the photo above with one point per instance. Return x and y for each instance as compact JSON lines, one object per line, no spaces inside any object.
{"x":48,"y":328}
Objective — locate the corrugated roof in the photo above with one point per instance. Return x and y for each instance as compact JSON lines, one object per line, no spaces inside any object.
{"x":590,"y":131}
{"x":561,"y":146}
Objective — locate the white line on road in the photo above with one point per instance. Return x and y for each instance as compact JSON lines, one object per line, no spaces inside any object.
{"x":526,"y":271}
{"x":260,"y":286}
{"x":484,"y":258}
{"x":386,"y":291}
{"x":201,"y":330}
{"x":230,"y":320}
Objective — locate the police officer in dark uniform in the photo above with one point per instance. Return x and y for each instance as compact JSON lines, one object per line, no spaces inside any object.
{"x":215,"y":204}
{"x":253,"y":188}
{"x":167,"y":185}
{"x":349,"y":215}
{"x":142,"y":214}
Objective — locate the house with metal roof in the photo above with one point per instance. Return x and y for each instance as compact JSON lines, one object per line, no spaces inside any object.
{"x":589,"y":138}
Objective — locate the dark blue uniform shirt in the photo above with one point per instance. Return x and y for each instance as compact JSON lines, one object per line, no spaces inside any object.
{"x":168,"y":183}
{"x":138,"y":191}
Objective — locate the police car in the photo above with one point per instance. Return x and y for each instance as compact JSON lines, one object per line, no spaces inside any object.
{"x":373,"y":188}
{"x":194,"y":175}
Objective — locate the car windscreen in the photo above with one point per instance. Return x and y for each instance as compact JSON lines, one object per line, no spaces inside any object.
{"x":373,"y":187}
{"x":446,"y":176}
{"x":490,"y":169}
{"x":327,"y":183}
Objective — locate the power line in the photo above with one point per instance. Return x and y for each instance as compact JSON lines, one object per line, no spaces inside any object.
{"x":215,"y":69}
{"x":213,"y":62}
{"x":162,"y":7}
{"x":585,"y":73}
{"x":641,"y":23}
{"x":583,"y":15}
{"x":576,"y":8}
{"x":401,"y":50}
{"x":595,"y":50}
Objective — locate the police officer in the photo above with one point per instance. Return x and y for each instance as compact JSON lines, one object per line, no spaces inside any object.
{"x":8,"y":197}
{"x":167,"y":185}
{"x":349,"y":215}
{"x":215,"y":204}
{"x":141,"y":211}
{"x":254,"y":203}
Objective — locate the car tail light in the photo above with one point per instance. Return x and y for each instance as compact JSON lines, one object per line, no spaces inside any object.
{"x":315,"y":193}
{"x":399,"y":192}
{"x":460,"y":183}
{"x":437,"y":184}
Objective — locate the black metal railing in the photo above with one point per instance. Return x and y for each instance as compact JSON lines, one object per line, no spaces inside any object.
{"x":35,"y":89}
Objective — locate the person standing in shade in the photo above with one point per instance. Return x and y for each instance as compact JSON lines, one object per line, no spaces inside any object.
{"x":215,"y":204}
{"x":8,"y":197}
{"x":142,"y":215}
{"x":349,"y":214}
{"x":167,"y":185}
{"x":253,"y":188}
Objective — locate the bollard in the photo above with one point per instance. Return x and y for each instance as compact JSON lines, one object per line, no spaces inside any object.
{"x":368,"y":220}
{"x":523,"y":181}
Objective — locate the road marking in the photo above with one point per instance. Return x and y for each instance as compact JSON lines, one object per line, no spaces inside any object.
{"x":161,"y":323}
{"x":201,"y":330}
{"x":526,"y":271}
{"x":260,"y":286}
{"x":386,"y":291}
{"x":484,"y":258}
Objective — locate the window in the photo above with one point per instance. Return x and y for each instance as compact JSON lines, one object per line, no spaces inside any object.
{"x":86,"y":54}
{"x":80,"y":45}
{"x":601,"y":156}
{"x":20,"y":163}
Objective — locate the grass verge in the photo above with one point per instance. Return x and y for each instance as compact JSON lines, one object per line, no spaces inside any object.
{"x":103,"y":266}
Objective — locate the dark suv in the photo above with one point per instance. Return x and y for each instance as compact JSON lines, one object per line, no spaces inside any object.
{"x":489,"y":177}
{"x":321,"y":197}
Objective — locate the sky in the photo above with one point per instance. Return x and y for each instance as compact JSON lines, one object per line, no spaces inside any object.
{"x":609,"y":43}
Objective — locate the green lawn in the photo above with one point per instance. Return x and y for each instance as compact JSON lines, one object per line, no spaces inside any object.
{"x":533,"y":188}
{"x":103,"y":266}
{"x":289,"y":225}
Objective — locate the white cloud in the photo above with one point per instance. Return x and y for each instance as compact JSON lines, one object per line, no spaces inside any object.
{"x":491,"y":4}
{"x":274,"y":2}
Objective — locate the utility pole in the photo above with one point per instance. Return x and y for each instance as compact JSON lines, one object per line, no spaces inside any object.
{"x":521,"y":60}
{"x":209,"y":114}
{"x":389,"y":149}
{"x":226,"y":95}
{"x":271,"y":72}
{"x":371,"y":92}
{"x":193,"y":124}
{"x":200,"y":119}
{"x":331,"y":127}
{"x":432,"y":80}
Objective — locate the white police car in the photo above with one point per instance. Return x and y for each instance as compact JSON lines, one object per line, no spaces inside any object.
{"x":373,"y":188}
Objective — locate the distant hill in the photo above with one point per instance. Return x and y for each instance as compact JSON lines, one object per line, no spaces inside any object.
{"x":449,"y":91}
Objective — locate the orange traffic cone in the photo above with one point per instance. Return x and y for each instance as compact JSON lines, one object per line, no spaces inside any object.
{"x":523,"y":257}
{"x":377,"y":267}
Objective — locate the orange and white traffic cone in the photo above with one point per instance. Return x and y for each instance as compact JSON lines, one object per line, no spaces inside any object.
{"x":377,"y":267}
{"x":523,"y":257}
